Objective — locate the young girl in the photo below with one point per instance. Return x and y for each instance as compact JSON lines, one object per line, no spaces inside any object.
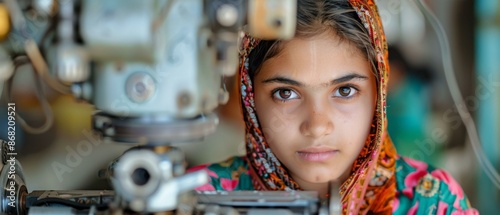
{"x":314,"y":109}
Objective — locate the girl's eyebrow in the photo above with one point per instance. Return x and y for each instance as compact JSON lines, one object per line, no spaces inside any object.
{"x":345,"y":78}
{"x":283,"y":80}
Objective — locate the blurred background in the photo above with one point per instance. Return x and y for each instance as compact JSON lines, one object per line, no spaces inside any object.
{"x":423,"y":121}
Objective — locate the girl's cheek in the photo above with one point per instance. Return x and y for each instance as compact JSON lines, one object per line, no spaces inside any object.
{"x":345,"y":110}
{"x":357,"y":105}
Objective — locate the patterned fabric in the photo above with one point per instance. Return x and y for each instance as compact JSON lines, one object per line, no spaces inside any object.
{"x":372,"y":186}
{"x":420,"y":189}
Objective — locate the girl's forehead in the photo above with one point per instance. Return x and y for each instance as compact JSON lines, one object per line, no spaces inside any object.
{"x":323,"y":44}
{"x":316,"y":60}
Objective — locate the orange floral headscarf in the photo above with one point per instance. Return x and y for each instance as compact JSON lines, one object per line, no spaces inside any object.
{"x":371,"y":185}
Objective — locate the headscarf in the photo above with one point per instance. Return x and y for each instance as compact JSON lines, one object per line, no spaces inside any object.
{"x":371,"y":184}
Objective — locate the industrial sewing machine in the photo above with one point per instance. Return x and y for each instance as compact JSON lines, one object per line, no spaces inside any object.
{"x":165,"y":60}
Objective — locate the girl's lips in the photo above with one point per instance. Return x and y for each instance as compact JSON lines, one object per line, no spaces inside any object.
{"x":317,"y":154}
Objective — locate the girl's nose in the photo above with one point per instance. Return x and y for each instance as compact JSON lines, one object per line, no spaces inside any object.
{"x":317,"y":124}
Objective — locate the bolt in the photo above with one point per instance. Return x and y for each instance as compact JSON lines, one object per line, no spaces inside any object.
{"x":184,"y":99}
{"x":227,"y":15}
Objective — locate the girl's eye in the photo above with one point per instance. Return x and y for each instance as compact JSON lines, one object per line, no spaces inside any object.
{"x":345,"y":92}
{"x":285,"y":94}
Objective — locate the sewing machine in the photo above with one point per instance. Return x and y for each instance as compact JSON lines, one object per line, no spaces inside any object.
{"x":165,"y":61}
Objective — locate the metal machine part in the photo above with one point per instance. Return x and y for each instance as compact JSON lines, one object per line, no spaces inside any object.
{"x":258,"y":202}
{"x":151,"y":181}
{"x":72,"y":60}
{"x":153,"y":130}
{"x":12,"y":180}
{"x":177,"y":90}
{"x":207,"y":202}
{"x":123,"y":30}
{"x":66,"y":202}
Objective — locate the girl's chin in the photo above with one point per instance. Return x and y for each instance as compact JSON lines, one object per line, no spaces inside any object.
{"x":318,"y":176}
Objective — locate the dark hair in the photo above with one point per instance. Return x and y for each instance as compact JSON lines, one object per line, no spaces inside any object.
{"x":315,"y":17}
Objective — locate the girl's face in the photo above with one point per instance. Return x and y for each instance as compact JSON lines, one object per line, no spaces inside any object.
{"x":315,"y":102}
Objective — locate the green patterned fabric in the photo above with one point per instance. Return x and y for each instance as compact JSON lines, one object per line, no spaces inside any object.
{"x":421,"y":189}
